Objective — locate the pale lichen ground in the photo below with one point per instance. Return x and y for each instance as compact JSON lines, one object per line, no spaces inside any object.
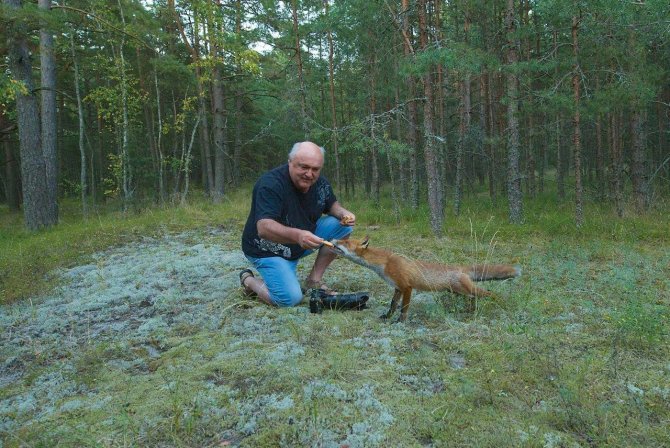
{"x":153,"y":344}
{"x":120,"y":314}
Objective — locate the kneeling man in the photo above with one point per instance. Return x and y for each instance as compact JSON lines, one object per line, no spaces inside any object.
{"x":293,"y":211}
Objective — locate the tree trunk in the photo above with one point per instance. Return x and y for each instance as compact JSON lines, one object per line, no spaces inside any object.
{"x":10,"y":163}
{"x":544,"y":158}
{"x":394,"y":194}
{"x":401,"y":170}
{"x":430,"y":156}
{"x":661,"y":160}
{"x":600,"y":159}
{"x":513,"y":173}
{"x":48,"y":114}
{"x":237,"y":151}
{"x":333,"y":114}
{"x":439,"y":104}
{"x":531,"y":163}
{"x":412,"y":119}
{"x":37,"y":207}
{"x":219,"y":127}
{"x":481,"y":142}
{"x":373,"y":149}
{"x":301,"y":82}
{"x":205,"y":147}
{"x":560,"y":177}
{"x":159,"y":143}
{"x":493,"y":165}
{"x":80,"y":115}
{"x":639,"y":165}
{"x":11,"y":179}
{"x":463,"y":140}
{"x":11,"y":190}
{"x":616,"y":160}
{"x":577,"y":136}
{"x":123,"y":150}
{"x":187,"y":161}
{"x":99,"y":157}
{"x":148,"y":122}
{"x":207,"y":171}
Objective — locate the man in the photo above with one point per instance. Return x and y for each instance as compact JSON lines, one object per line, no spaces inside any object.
{"x":285,"y":223}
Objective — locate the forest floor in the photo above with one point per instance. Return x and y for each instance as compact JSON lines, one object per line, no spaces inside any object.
{"x":151,"y":343}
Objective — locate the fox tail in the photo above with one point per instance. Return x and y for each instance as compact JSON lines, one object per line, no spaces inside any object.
{"x":481,"y":272}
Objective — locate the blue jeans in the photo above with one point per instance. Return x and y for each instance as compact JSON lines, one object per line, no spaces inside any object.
{"x":280,"y":274}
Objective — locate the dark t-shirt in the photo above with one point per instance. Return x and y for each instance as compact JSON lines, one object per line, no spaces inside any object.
{"x":275,"y":197}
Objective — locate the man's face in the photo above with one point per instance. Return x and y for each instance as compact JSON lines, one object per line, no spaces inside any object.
{"x":305,"y":167}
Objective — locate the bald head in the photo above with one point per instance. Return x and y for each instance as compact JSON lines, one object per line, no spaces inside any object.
{"x":304,"y":164}
{"x":305,"y":146}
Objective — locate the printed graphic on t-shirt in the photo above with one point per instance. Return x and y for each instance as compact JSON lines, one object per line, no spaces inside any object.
{"x":275,"y":248}
{"x":323,"y":194}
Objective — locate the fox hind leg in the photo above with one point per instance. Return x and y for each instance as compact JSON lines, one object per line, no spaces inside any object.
{"x":406,"y":296}
{"x":394,"y":305}
{"x":465,"y":286}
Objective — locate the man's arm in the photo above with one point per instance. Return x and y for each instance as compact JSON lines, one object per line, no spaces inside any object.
{"x":270,"y":229}
{"x":341,"y":213}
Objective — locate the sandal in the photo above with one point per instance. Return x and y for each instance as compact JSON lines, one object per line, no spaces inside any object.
{"x":245,"y":274}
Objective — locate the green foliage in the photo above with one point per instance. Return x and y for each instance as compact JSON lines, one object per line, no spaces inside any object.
{"x":9,"y":88}
{"x":109,"y":100}
{"x":458,"y":57}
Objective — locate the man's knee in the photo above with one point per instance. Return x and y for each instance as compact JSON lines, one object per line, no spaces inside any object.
{"x":287,"y":297}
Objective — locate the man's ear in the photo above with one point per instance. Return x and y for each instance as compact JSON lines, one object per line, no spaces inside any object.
{"x":365,"y":242}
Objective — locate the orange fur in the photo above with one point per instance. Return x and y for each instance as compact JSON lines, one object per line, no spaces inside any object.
{"x":405,"y":274}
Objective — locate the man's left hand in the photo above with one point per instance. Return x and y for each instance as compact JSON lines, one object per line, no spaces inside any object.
{"x":348,"y":219}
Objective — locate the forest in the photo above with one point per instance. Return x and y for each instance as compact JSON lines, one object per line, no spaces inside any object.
{"x":147,"y":102}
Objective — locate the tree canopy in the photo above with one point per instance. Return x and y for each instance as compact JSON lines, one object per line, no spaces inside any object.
{"x":433,"y":98}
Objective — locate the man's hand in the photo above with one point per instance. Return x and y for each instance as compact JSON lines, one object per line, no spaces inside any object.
{"x":345,"y":216}
{"x":348,"y":219}
{"x":307,"y":240}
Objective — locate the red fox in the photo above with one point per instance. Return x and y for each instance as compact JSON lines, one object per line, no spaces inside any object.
{"x":405,"y":274}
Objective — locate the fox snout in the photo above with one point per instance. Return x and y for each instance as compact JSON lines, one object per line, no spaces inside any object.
{"x":337,"y":247}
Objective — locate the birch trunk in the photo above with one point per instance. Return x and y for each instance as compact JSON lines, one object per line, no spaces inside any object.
{"x":80,"y":115}
{"x":125,"y":162}
{"x":159,"y":142}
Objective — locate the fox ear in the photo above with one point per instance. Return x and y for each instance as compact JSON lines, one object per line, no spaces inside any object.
{"x":365,"y":242}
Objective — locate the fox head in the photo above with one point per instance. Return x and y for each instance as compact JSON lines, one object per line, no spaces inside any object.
{"x":350,"y":247}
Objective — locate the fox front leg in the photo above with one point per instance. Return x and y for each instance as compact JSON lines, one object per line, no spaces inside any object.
{"x":394,"y":304}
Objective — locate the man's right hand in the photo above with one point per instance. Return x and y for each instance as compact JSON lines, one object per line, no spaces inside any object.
{"x":307,"y":240}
